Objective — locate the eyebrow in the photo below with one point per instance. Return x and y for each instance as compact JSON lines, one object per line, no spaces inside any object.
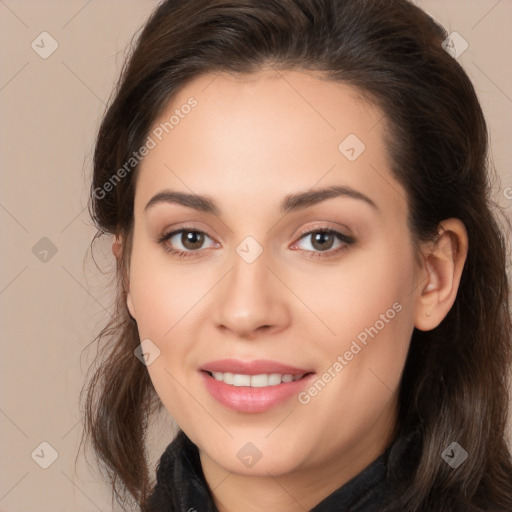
{"x":292,"y":202}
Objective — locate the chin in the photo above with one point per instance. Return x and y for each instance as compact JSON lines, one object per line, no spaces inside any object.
{"x":258,"y":458}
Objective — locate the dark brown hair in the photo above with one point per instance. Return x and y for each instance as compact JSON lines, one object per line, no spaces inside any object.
{"x":454,"y":386}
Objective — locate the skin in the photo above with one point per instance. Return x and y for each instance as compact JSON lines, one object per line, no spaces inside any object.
{"x":250,"y":142}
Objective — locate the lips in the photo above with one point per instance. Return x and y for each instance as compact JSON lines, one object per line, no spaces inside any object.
{"x":253,"y":386}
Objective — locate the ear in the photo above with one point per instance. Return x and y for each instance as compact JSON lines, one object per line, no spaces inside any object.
{"x":116,"y":247}
{"x":440,"y":274}
{"x":117,"y":251}
{"x":129,"y":304}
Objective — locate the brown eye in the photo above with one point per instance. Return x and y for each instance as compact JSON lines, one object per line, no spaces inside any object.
{"x":192,"y":240}
{"x":322,"y":240}
{"x":185,"y":242}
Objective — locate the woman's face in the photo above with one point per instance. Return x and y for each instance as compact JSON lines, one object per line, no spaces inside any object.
{"x":298,"y":261}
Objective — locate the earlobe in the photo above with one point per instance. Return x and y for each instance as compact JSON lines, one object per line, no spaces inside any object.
{"x":117,"y":251}
{"x":129,"y":305}
{"x":440,"y":277}
{"x":116,"y":247}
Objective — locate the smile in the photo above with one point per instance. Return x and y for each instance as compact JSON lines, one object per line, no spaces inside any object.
{"x":253,"y":386}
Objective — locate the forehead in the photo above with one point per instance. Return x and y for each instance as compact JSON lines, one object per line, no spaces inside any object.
{"x":266,"y":134}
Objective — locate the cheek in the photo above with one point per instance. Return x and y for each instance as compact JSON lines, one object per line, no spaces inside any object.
{"x":367,"y":290}
{"x":373,"y":318}
{"x":364,"y":363}
{"x":162,"y":292}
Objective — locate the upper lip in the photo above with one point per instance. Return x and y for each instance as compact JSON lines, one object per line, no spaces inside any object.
{"x":256,"y":367}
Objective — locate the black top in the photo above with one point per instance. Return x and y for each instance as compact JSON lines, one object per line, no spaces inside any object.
{"x":181,"y":486}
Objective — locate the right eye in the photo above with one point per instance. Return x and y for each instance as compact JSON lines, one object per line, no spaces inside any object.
{"x":190,"y":239}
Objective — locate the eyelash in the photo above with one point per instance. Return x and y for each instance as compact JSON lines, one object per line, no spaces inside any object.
{"x":315,"y":254}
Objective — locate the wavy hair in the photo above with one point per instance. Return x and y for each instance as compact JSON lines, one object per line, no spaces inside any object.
{"x":454,"y":384}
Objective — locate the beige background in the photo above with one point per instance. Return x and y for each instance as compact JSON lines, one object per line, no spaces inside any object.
{"x":50,"y":310}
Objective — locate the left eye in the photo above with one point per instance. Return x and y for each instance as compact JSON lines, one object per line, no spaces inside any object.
{"x":323,"y":240}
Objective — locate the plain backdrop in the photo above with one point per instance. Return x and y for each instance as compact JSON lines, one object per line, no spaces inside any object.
{"x":53,"y":300}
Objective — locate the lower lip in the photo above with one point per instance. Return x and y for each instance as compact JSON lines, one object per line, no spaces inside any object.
{"x":249,"y":399}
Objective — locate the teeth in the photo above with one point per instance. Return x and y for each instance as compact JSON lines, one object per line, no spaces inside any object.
{"x":274,"y":379}
{"x":254,"y":381}
{"x":241,"y":380}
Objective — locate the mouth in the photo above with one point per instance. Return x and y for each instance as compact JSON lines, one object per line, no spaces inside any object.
{"x":254,"y":386}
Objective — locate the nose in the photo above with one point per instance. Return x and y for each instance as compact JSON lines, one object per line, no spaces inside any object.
{"x":251,"y":301}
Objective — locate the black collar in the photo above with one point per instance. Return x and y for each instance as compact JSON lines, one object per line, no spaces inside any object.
{"x":181,"y":486}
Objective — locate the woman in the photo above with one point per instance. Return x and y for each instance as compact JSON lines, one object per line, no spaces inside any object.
{"x":310,"y":276}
